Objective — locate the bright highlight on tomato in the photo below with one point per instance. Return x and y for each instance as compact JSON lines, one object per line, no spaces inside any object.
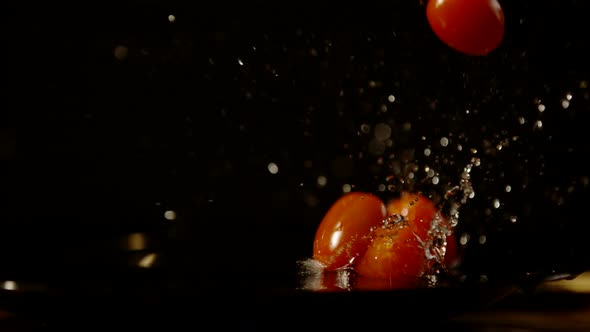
{"x":381,"y":242}
{"x":473,"y":27}
{"x":343,"y":234}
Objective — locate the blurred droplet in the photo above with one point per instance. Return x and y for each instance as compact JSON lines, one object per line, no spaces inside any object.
{"x":121,"y":52}
{"x":565,"y":103}
{"x":10,"y":285}
{"x":482,"y":239}
{"x":496,"y":203}
{"x":464,"y":239}
{"x":365,"y":128}
{"x":273,"y":168}
{"x":382,"y":131}
{"x":136,"y":241}
{"x":147,"y":260}
{"x":170,"y":215}
{"x":346,"y":188}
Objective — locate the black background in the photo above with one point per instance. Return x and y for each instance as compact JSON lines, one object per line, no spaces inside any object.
{"x":95,"y":147}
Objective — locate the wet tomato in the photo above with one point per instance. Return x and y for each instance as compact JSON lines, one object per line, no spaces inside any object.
{"x":343,"y":234}
{"x":417,"y":210}
{"x":394,"y":253}
{"x":398,"y":248}
{"x":473,"y":27}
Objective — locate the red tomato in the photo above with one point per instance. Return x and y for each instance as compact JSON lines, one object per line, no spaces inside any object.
{"x":417,"y":209}
{"x":343,"y":233}
{"x":473,"y":27}
{"x":394,"y":253}
{"x":397,"y":250}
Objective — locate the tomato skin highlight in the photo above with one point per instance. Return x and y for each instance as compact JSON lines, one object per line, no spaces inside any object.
{"x":472,"y":27}
{"x":343,"y":234}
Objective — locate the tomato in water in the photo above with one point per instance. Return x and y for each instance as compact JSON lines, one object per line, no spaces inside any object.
{"x":343,"y":233}
{"x":473,"y":27}
{"x":396,"y":250}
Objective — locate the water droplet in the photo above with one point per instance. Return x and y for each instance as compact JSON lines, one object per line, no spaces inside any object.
{"x":322,"y":181}
{"x":382,"y":131}
{"x":170,"y":215}
{"x":121,"y":52}
{"x":273,"y":168}
{"x":482,"y":239}
{"x":365,"y":128}
{"x":464,"y":239}
{"x":346,"y":188}
{"x":565,"y":104}
{"x":496,"y":203}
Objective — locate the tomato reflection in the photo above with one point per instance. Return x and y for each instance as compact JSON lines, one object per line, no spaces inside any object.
{"x":348,"y":280}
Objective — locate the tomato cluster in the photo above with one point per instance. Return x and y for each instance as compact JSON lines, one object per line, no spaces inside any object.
{"x":473,"y":27}
{"x":394,"y":241}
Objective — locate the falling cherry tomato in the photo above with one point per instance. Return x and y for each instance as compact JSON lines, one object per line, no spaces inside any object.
{"x":473,"y":27}
{"x":343,"y":233}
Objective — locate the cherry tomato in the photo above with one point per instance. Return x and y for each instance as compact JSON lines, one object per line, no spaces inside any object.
{"x":417,"y":209}
{"x":394,"y":253}
{"x":397,"y":249}
{"x":473,"y":27}
{"x":343,"y":233}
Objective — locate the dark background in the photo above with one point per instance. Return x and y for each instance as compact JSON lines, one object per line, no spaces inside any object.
{"x":95,"y":147}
